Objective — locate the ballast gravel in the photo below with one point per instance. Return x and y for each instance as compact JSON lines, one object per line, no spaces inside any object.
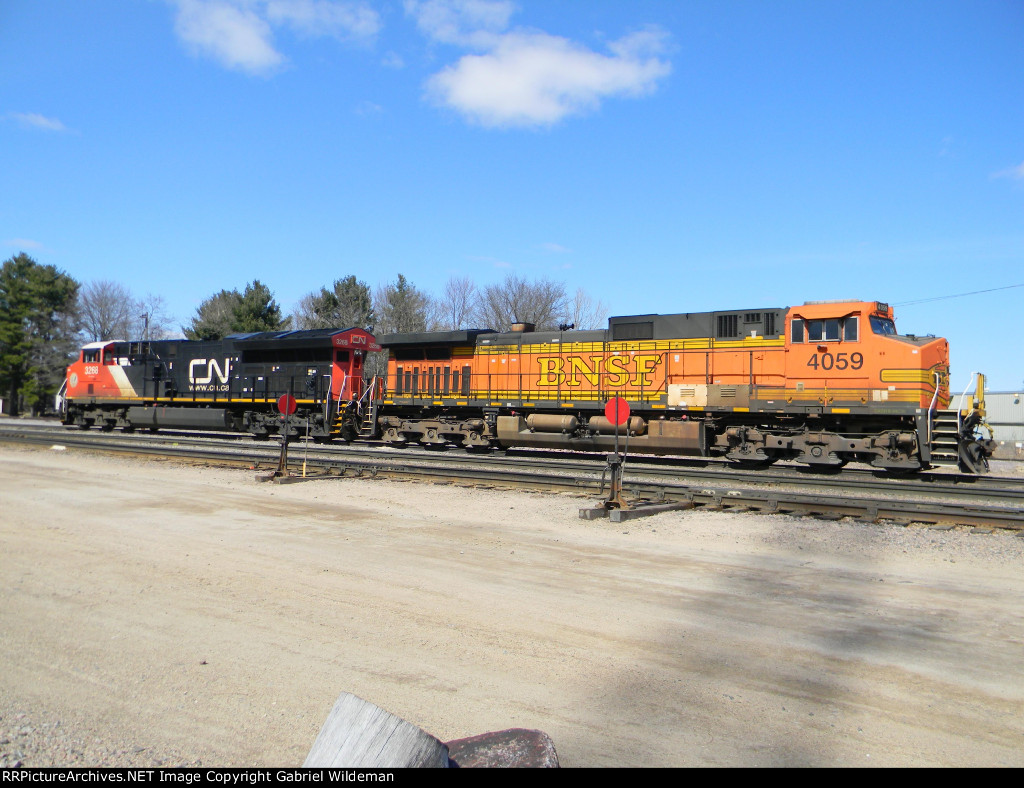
{"x":161,"y":614}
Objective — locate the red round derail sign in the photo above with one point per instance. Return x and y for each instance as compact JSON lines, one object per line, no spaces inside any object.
{"x":617,"y":410}
{"x":286,"y":404}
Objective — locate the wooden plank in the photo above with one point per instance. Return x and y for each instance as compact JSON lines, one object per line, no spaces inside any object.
{"x":358,"y":734}
{"x":647,"y":510}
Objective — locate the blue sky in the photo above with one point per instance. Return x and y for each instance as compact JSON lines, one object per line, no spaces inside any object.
{"x":667,"y":156}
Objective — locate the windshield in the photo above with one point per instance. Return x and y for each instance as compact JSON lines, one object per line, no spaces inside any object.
{"x":883,"y":325}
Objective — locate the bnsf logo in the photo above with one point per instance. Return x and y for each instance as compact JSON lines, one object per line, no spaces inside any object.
{"x":201,"y":372}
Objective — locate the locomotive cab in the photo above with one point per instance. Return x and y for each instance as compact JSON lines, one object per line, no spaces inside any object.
{"x":847,"y":354}
{"x":350,"y":349}
{"x":97,"y":372}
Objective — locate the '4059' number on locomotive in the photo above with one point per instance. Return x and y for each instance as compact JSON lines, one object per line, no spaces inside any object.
{"x":838,"y":361}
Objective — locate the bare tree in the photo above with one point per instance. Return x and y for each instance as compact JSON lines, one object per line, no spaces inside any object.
{"x":107,"y":310}
{"x":455,"y":307}
{"x":515,"y":300}
{"x":306,"y":314}
{"x":153,"y":321}
{"x":583,"y":313}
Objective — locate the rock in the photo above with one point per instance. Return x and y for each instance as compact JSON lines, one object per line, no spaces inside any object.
{"x":512,"y":748}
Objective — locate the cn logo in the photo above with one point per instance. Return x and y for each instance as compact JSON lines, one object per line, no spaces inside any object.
{"x":210,"y":367}
{"x":355,"y":339}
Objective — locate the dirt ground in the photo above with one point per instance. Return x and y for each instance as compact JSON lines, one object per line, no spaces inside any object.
{"x":160,"y":614}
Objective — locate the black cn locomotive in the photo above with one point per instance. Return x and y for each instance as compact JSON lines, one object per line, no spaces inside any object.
{"x":230,"y":384}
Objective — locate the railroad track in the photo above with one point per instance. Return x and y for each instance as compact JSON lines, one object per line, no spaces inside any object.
{"x":932,"y":484}
{"x":930,"y":501}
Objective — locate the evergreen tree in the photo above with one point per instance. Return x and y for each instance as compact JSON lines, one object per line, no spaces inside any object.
{"x":258,"y":311}
{"x":215,"y":317}
{"x":348,"y":303}
{"x":402,"y":308}
{"x":231,"y":312}
{"x":37,"y":330}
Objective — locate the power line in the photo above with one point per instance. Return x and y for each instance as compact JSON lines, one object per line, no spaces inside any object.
{"x":958,"y":295}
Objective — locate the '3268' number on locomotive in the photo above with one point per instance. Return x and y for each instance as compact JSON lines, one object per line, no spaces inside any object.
{"x":839,"y":361}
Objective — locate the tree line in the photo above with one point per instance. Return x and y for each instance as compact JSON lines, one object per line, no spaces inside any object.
{"x":399,"y":307}
{"x":46,"y":315}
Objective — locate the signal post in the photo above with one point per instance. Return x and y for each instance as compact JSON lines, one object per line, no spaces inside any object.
{"x":616,"y":507}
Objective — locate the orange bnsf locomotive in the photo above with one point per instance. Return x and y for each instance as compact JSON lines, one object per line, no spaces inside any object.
{"x":231,"y":384}
{"x":821,"y":383}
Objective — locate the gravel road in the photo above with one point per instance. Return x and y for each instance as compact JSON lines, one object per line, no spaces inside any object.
{"x":153,"y":613}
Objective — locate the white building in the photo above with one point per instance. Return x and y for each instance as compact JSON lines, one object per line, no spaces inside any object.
{"x":1005,"y":414}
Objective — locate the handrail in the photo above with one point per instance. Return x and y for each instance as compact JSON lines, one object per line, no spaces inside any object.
{"x":327,"y":399}
{"x":341,"y":390}
{"x":366,"y":396}
{"x":931,"y":407}
{"x":59,"y":401}
{"x":960,"y":410}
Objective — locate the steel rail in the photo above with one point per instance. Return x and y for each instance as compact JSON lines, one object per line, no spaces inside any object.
{"x":641,"y":468}
{"x":770,"y":501}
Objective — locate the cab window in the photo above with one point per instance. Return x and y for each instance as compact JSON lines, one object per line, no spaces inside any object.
{"x":91,"y":356}
{"x":831,"y":329}
{"x":883,"y":325}
{"x":823,"y":330}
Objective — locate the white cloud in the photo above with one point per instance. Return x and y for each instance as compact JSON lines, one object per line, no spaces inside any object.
{"x":23,"y":243}
{"x":392,"y":60}
{"x":32,"y":120}
{"x":536,"y":79}
{"x":466,"y":22}
{"x":325,"y":17}
{"x":1015,"y":173}
{"x":494,"y":261}
{"x":527,"y":77}
{"x":240,"y":33}
{"x":231,"y":32}
{"x":368,"y":108}
{"x":555,"y":248}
